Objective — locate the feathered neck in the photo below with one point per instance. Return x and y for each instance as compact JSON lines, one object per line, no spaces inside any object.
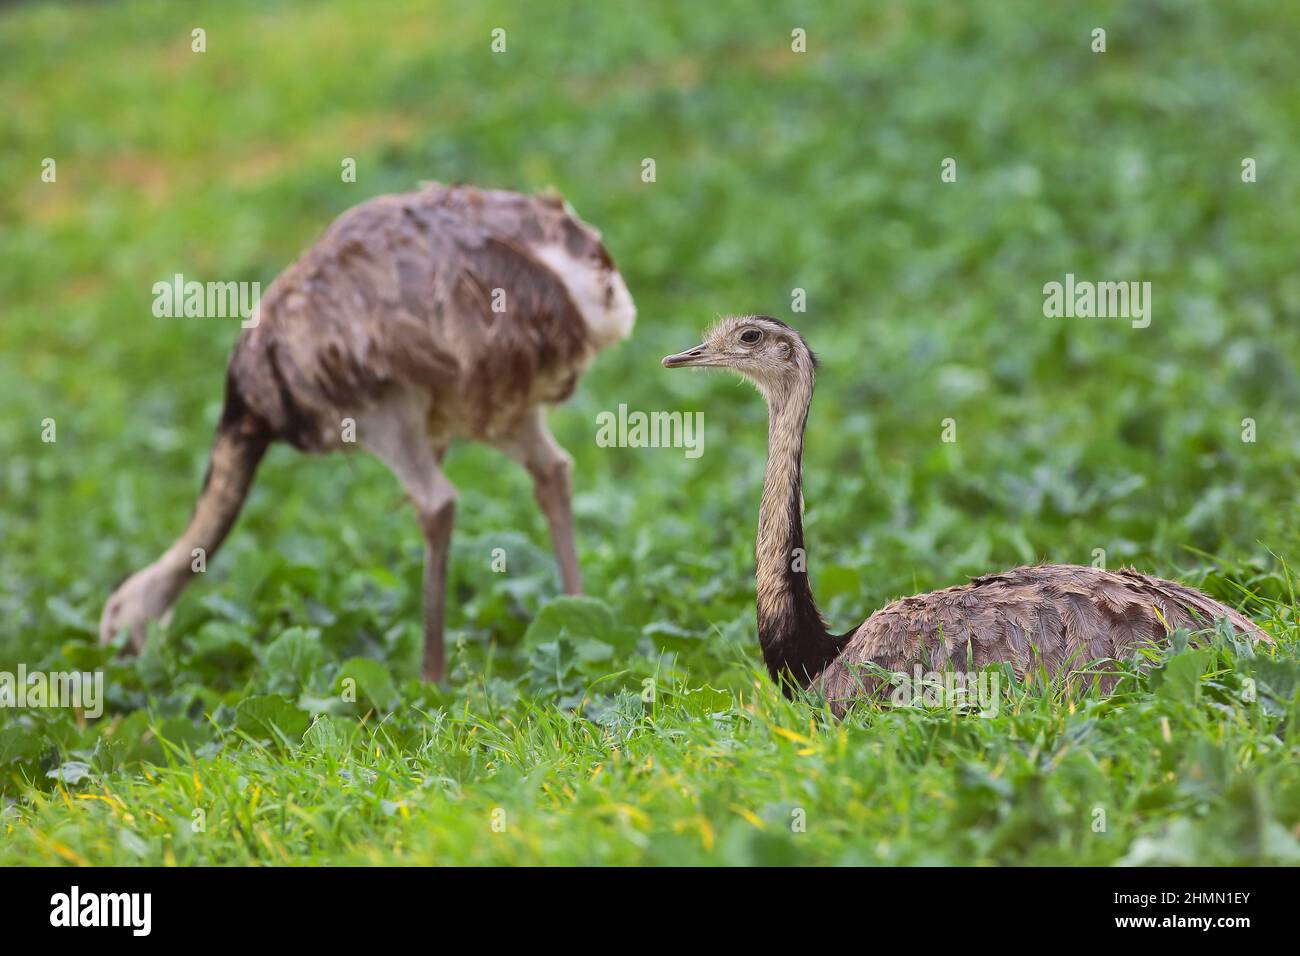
{"x":796,"y":645}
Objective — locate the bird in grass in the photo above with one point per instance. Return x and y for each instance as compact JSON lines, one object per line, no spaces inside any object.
{"x":1057,"y":618}
{"x":449,"y":312}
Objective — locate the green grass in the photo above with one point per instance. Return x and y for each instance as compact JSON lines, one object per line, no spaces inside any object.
{"x":775,"y":171}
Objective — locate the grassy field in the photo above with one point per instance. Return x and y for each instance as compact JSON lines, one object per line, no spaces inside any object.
{"x":227,"y":741}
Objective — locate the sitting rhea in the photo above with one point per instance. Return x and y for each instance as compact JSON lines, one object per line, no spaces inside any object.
{"x":1056,"y":617}
{"x":451,"y":312}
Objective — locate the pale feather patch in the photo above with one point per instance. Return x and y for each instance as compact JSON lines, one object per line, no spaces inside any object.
{"x":591,"y":287}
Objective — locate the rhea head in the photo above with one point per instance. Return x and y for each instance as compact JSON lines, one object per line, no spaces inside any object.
{"x":760,"y":348}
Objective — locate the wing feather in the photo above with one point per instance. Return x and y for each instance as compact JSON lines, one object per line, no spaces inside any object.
{"x":1058,"y":617}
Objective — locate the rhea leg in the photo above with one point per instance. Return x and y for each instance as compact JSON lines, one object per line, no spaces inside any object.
{"x":150,"y":593}
{"x":551,"y":467}
{"x":400,"y":441}
{"x":436,"y":523}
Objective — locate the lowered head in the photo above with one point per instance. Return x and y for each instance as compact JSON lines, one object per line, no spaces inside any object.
{"x":762,"y":349}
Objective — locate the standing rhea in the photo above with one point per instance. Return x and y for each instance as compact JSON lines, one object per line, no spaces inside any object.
{"x":417,"y":318}
{"x":1057,"y":617}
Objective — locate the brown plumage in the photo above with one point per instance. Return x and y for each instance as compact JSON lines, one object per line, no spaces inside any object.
{"x":1060,"y":618}
{"x":451,"y":312}
{"x":1057,"y":618}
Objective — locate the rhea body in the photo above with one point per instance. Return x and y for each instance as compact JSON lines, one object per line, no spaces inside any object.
{"x":416,"y":319}
{"x":1056,"y":617}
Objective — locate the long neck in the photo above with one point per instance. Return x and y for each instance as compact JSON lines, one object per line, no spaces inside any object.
{"x":796,"y":645}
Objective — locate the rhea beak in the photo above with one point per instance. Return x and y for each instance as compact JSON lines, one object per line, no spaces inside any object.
{"x":699,"y":355}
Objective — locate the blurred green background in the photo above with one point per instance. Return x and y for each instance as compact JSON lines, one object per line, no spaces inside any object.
{"x":776,"y":171}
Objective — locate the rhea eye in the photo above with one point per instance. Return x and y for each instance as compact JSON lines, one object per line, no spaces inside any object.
{"x":750,"y":336}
